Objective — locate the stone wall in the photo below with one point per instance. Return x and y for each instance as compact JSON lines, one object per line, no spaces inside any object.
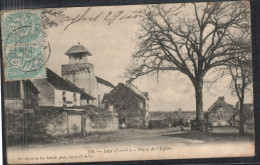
{"x":46,"y":95}
{"x":56,"y":123}
{"x":45,"y":122}
{"x":220,"y":117}
{"x":13,"y":104}
{"x":106,"y":122}
{"x":82,"y":75}
{"x":50,"y":121}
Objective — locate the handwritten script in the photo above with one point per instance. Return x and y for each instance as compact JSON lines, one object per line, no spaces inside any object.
{"x":86,"y":16}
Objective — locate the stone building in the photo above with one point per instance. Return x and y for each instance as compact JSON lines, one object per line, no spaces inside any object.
{"x":81,"y":73}
{"x":248,"y":111}
{"x":58,"y":92}
{"x":64,"y":104}
{"x":20,"y":100}
{"x":19,"y":95}
{"x":220,"y":113}
{"x":60,"y":105}
{"x":75,"y":97}
{"x":130,"y":103}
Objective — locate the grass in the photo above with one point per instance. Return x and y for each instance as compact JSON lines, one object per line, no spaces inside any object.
{"x":219,"y":134}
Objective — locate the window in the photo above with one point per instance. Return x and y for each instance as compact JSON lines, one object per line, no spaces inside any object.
{"x":75,"y":98}
{"x":64,"y":98}
{"x":27,"y":94}
{"x":12,"y":89}
{"x":106,"y":105}
{"x":99,"y":101}
{"x":141,"y":105}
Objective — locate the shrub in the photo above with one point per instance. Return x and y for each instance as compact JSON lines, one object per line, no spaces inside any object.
{"x":180,"y":122}
{"x":200,"y":125}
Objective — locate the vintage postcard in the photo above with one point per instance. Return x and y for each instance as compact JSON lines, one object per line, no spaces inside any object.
{"x":123,"y":83}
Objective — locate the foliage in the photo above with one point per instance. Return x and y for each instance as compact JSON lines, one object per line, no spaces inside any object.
{"x":200,"y":125}
{"x":180,"y":122}
{"x":48,"y":18}
{"x":49,"y":15}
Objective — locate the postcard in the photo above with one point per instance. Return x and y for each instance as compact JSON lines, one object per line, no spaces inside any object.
{"x":125,"y":83}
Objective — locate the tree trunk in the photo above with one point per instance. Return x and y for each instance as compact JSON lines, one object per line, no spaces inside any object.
{"x":241,"y":117}
{"x":199,"y":100}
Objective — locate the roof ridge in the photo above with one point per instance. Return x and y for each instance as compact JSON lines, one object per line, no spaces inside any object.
{"x":63,"y":84}
{"x":75,"y":49}
{"x":227,"y":103}
{"x":143,"y":96}
{"x":105,"y":82}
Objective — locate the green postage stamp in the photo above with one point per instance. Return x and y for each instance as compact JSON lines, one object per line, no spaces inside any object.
{"x":23,"y":45}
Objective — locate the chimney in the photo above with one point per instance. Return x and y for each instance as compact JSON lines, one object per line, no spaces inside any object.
{"x":222,"y":98}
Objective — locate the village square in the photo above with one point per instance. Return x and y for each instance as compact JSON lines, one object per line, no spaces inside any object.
{"x":108,"y":90}
{"x":79,"y":107}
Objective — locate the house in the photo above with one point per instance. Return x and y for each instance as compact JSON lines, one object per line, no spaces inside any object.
{"x":172,"y":118}
{"x":67,"y":110}
{"x":220,"y":113}
{"x":20,"y":100}
{"x":248,"y":110}
{"x":81,"y":73}
{"x":58,"y":92}
{"x":130,"y":103}
{"x":19,"y":95}
{"x":66,"y":105}
{"x":104,"y":87}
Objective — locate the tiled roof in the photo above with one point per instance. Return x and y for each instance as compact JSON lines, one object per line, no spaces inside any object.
{"x":83,"y":94}
{"x":122,"y":90}
{"x":62,"y":84}
{"x":136,"y":91}
{"x":246,"y":108}
{"x":104,"y":82}
{"x":220,"y":101}
{"x":78,"y":49}
{"x":33,"y":86}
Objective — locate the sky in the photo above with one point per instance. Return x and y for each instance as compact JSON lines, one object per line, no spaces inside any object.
{"x":112,"y":39}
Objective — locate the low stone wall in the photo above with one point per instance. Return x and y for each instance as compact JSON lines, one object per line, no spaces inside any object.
{"x":133,"y":122}
{"x":44,"y":122}
{"x":101,"y":122}
{"x":56,"y":123}
{"x":13,"y":104}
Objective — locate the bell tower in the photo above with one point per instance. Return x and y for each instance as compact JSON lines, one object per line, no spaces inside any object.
{"x":78,"y":54}
{"x":79,"y":71}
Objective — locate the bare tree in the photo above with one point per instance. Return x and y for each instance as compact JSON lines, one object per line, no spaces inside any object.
{"x":240,"y":69}
{"x":48,"y":16}
{"x":191,"y":39}
{"x":241,"y":73}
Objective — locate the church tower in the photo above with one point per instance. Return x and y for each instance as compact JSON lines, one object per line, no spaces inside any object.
{"x":79,"y":71}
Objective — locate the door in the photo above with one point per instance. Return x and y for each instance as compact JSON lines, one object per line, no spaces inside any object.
{"x":74,"y":124}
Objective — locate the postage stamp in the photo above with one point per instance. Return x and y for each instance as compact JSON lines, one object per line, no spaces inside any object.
{"x":23,"y":45}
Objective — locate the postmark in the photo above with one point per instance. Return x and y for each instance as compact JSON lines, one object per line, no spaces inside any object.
{"x":24,"y":47}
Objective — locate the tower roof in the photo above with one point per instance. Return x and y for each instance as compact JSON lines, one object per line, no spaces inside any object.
{"x":78,"y":49}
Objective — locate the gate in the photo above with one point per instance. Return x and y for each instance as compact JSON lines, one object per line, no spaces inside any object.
{"x":74,"y":124}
